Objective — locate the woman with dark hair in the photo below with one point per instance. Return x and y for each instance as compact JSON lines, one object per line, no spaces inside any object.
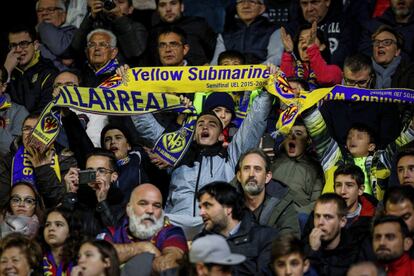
{"x":20,"y":255}
{"x":308,"y":57}
{"x":97,"y":258}
{"x":60,"y":243}
{"x":23,"y":211}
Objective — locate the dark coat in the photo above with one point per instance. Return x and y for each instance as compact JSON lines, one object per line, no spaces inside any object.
{"x":253,"y":241}
{"x":251,"y":40}
{"x":200,"y":37}
{"x":33,"y":87}
{"x":50,"y":188}
{"x":388,"y":18}
{"x":336,"y":261}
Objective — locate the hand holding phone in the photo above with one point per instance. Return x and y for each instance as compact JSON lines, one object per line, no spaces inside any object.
{"x":87,"y":176}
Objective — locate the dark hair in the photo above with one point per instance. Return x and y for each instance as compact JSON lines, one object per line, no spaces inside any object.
{"x":231,"y":54}
{"x":104,"y":153}
{"x":28,"y":247}
{"x":73,"y":71}
{"x":392,"y":219}
{"x":107,"y":250}
{"x":71,"y":244}
{"x":21,"y":28}
{"x":34,"y":115}
{"x":176,"y":30}
{"x":358,"y":62}
{"x":364,"y":128}
{"x":119,"y":127}
{"x":405,"y":152}
{"x":39,"y":208}
{"x":353,"y":170}
{"x":212,"y":113}
{"x":398,"y":194}
{"x":326,"y":55}
{"x":226,"y":195}
{"x":301,"y":81}
{"x":389,"y":29}
{"x":287,"y":244}
{"x":332,"y":197}
{"x":158,"y":1}
{"x":257,"y":151}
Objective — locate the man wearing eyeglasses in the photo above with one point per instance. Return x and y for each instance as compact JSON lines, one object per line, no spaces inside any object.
{"x":115,"y":16}
{"x":391,"y":69}
{"x":42,"y":169}
{"x":99,"y":200}
{"x":11,"y":116}
{"x":201,"y":37}
{"x":31,"y":76}
{"x":251,"y":34}
{"x":55,"y":37}
{"x":340,"y":116}
{"x":399,"y":16}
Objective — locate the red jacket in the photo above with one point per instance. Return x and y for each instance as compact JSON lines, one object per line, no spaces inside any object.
{"x":326,"y":75}
{"x":404,"y":266}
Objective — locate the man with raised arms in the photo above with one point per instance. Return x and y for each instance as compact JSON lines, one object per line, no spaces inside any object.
{"x":206,"y":160}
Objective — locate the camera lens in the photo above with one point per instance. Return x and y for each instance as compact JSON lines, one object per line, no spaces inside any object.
{"x":109,"y":5}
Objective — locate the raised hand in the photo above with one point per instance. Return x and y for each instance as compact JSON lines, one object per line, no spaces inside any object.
{"x":312,"y":35}
{"x":122,"y":72}
{"x":72,"y":180}
{"x":286,"y":40}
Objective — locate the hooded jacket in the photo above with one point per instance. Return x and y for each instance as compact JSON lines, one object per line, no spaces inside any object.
{"x":205,"y":165}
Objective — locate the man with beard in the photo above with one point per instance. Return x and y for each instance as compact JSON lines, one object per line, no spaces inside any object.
{"x":399,"y":201}
{"x":223,"y":212}
{"x":147,"y":230}
{"x":329,"y":249}
{"x":391,"y":241}
{"x":270,"y":201}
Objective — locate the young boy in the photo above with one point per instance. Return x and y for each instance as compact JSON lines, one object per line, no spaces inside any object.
{"x":360,"y":149}
{"x":288,"y":256}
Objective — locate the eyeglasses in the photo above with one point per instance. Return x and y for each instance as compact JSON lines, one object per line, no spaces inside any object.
{"x":360,"y":83}
{"x":27,"y":201}
{"x":59,"y":84}
{"x":385,"y":42}
{"x":172,"y":45}
{"x":22,"y":44}
{"x":27,"y":129}
{"x":49,"y":10}
{"x":102,"y":44}
{"x":248,"y":2}
{"x":102,"y":171}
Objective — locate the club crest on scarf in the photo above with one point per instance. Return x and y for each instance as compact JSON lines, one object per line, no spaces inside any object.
{"x":49,"y":124}
{"x":112,"y":82}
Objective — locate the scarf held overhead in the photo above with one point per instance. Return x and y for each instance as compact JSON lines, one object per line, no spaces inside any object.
{"x":152,"y":89}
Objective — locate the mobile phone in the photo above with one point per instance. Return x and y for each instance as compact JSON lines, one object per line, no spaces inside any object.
{"x":87,"y":176}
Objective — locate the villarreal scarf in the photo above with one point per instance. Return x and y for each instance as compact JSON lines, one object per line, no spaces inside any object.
{"x":151,"y":89}
{"x":23,"y":170}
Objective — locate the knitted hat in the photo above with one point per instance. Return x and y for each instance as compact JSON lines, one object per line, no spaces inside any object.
{"x":219,"y":99}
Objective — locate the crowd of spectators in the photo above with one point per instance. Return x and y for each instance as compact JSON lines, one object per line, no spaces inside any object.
{"x":334,"y":196}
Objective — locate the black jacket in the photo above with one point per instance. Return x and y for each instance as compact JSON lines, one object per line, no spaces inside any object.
{"x":200,"y":36}
{"x":336,"y":261}
{"x":33,"y":87}
{"x":251,"y":40}
{"x":253,"y":241}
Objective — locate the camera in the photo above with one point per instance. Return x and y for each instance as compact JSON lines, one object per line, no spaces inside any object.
{"x":87,"y":176}
{"x":108,"y":4}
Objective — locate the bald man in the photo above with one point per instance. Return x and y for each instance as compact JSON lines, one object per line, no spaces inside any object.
{"x":365,"y":269}
{"x":147,"y":230}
